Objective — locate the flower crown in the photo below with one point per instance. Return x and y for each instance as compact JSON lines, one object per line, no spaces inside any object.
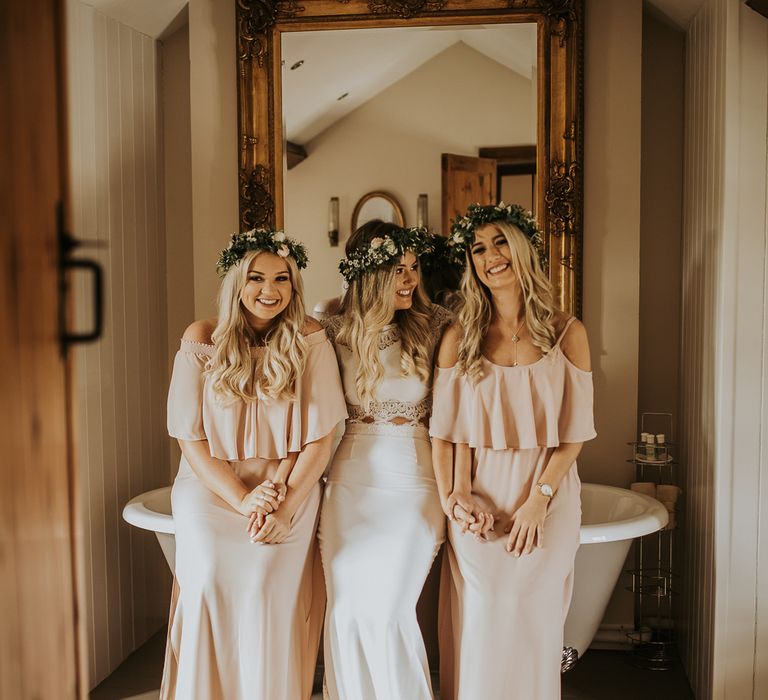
{"x":383,"y":249}
{"x":261,"y":239}
{"x":463,"y":228}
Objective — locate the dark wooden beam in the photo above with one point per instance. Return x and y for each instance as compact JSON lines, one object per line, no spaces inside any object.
{"x":294,"y":154}
{"x":509,"y":155}
{"x":760,"y":6}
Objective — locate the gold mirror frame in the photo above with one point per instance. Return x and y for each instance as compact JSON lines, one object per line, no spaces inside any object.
{"x":377,"y":194}
{"x":560,"y":130}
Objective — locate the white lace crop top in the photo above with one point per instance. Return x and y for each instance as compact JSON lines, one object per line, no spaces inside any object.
{"x":404,"y":400}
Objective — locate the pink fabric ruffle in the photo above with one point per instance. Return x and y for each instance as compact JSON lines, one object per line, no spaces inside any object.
{"x":264,"y":428}
{"x":538,"y":405}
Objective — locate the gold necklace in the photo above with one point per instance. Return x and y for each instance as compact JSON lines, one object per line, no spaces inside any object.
{"x":516,"y":340}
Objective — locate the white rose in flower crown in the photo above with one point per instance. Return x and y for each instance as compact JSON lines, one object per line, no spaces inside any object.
{"x":390,"y":246}
{"x":279,"y":236}
{"x":376,"y":242}
{"x":283,"y":251}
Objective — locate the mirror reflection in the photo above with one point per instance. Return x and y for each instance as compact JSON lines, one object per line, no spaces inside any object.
{"x":377,"y":205}
{"x":408,"y":111}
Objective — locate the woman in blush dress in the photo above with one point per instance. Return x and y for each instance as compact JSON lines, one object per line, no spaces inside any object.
{"x":253,"y":402}
{"x":513,"y":405}
{"x":381,"y":523}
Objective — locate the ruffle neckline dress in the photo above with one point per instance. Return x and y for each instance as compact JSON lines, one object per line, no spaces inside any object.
{"x":502,"y":618}
{"x":244,"y":622}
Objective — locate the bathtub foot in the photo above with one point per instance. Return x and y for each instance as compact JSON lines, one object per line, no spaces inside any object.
{"x":570,"y":657}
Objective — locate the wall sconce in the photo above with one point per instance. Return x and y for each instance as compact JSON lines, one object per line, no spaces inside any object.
{"x":333,"y":221}
{"x":422,"y":211}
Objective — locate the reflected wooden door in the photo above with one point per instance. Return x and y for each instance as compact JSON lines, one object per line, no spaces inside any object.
{"x":466,"y":180}
{"x":38,"y":638}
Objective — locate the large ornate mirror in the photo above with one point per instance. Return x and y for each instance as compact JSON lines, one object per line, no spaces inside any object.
{"x":306,"y":67}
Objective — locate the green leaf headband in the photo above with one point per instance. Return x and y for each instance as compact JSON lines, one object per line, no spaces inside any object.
{"x":463,"y":228}
{"x":384,"y":249}
{"x":261,"y":239}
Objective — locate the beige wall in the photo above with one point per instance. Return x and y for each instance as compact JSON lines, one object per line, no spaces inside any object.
{"x":612,"y":242}
{"x":177,"y":167}
{"x":213,"y":100}
{"x":393,"y":142}
{"x":177,"y":163}
{"x":117,"y":190}
{"x":661,"y":191}
{"x":661,"y":239}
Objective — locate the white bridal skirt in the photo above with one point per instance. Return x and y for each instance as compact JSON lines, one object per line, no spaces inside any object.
{"x":381,"y":526}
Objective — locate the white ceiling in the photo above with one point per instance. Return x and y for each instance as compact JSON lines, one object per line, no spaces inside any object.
{"x":150,"y":17}
{"x":363,"y":62}
{"x":681,"y":12}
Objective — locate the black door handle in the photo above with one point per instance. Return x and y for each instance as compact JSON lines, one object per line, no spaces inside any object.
{"x":97,"y":277}
{"x":67,"y":244}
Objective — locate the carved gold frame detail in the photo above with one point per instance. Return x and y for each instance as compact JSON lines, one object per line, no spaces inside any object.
{"x":560,"y":138}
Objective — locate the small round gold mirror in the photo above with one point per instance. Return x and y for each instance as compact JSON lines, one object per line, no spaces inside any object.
{"x":377,"y":205}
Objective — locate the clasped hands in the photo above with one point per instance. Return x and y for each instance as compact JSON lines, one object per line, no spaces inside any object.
{"x":525,"y":528}
{"x":266,"y":522}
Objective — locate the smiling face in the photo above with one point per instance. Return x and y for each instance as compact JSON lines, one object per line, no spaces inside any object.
{"x":406,"y":280}
{"x":492,"y":258}
{"x":267,"y":290}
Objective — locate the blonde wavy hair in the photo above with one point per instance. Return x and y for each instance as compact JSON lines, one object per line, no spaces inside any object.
{"x":477,"y":309}
{"x":369,"y":305}
{"x":274,"y":373}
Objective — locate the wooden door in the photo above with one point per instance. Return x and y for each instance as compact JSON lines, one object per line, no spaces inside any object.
{"x":466,"y":180}
{"x":38,"y":611}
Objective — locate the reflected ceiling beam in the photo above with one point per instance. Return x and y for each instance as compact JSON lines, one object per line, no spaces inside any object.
{"x":510,"y":155}
{"x":294,"y":154}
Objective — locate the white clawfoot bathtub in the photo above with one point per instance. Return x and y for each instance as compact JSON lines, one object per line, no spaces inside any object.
{"x":611,"y":519}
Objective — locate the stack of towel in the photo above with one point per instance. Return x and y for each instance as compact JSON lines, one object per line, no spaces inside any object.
{"x":666,"y":493}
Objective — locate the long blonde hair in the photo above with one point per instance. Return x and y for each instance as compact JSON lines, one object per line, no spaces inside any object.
{"x":477,"y":309}
{"x":369,"y":305}
{"x":235,"y":373}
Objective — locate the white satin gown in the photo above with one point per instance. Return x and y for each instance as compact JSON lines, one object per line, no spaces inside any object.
{"x":381,"y":526}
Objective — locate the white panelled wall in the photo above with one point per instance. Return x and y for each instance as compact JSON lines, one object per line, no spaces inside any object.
{"x":117,"y":195}
{"x":724,"y":383}
{"x":701,"y":243}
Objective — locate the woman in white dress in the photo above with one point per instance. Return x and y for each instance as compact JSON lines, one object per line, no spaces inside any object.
{"x":513,"y":405}
{"x":253,"y":402}
{"x":381,"y":523}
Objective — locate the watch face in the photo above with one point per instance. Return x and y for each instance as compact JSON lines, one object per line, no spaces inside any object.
{"x":545,"y":490}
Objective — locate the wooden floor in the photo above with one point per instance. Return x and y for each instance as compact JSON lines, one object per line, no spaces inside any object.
{"x":599,"y":675}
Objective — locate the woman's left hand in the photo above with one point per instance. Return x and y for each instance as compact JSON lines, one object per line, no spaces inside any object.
{"x":274,"y":529}
{"x":256,"y":521}
{"x":526,"y":528}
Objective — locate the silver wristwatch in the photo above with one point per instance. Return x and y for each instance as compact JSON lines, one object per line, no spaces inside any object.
{"x":545,"y":489}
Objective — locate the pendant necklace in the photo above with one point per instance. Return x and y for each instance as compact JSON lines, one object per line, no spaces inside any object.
{"x":516,"y":340}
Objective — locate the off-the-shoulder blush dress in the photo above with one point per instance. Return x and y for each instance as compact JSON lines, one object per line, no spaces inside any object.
{"x":501,"y":617}
{"x":380,"y":528}
{"x":243,"y":624}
